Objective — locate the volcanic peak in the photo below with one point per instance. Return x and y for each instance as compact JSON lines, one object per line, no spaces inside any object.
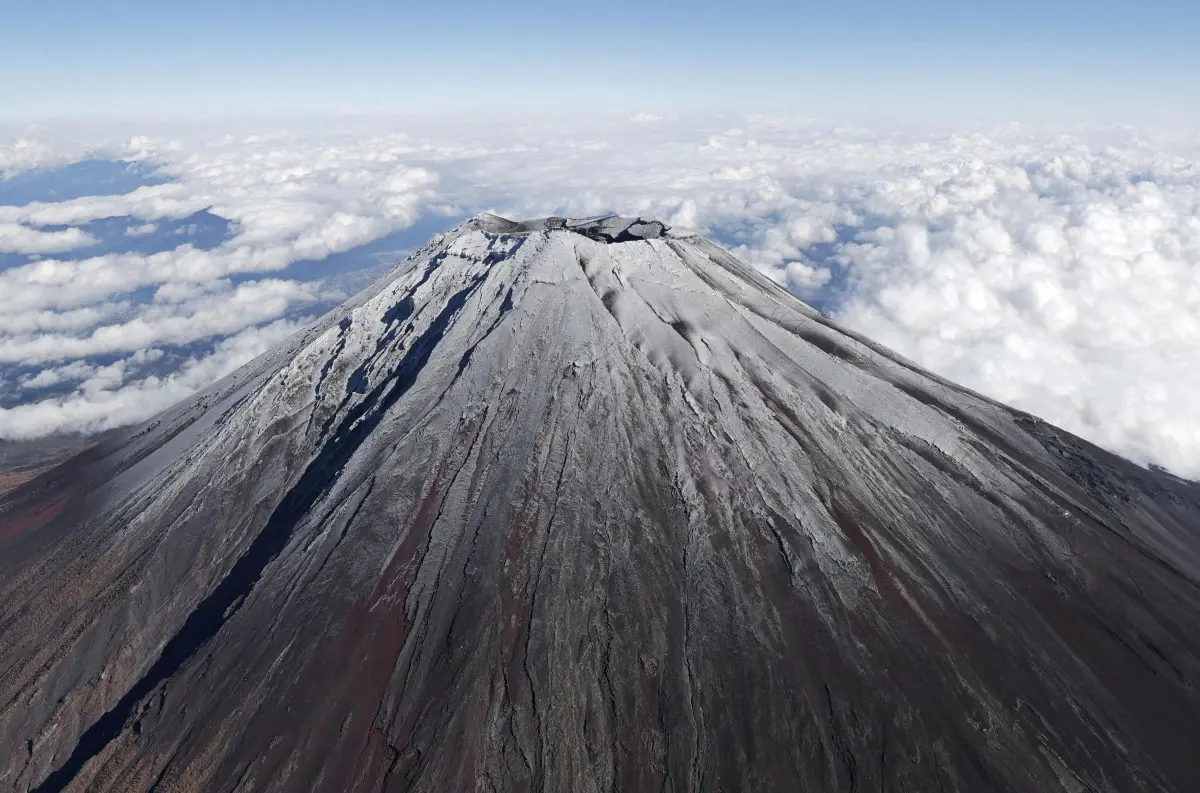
{"x":609,"y":229}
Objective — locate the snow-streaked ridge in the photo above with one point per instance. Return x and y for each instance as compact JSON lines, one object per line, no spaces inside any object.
{"x":590,"y":505}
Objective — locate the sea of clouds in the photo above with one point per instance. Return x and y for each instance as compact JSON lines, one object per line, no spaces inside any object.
{"x":1056,"y":270}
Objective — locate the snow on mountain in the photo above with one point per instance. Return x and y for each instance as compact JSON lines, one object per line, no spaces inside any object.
{"x":593,"y":505}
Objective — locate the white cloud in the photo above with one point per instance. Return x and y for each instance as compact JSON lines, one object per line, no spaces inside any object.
{"x":176,"y":319}
{"x":48,"y":378}
{"x":287,"y":200}
{"x":24,"y":154}
{"x":15,"y":238}
{"x":1058,"y":271}
{"x":105,"y":401}
{"x":44,"y":320}
{"x":1058,"y":274}
{"x":1066,"y":285}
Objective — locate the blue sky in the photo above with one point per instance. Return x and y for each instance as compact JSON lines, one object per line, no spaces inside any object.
{"x":1109,"y":59}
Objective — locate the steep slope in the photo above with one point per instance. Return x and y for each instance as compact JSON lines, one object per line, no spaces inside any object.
{"x":592,"y":506}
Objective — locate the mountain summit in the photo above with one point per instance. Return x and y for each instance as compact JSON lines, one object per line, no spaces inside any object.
{"x":591,"y":505}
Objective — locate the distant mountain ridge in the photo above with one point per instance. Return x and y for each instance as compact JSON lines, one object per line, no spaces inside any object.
{"x":592,"y":505}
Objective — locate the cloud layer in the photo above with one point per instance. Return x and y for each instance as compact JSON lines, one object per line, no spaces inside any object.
{"x":107,"y":398}
{"x":1057,"y":271}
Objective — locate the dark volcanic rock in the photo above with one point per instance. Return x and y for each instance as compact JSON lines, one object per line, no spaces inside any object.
{"x":591,"y":506}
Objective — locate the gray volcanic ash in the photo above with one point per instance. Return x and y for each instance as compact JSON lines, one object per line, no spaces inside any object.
{"x":590,"y":506}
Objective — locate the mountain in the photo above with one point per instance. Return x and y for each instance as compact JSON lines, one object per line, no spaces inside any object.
{"x":593,"y":506}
